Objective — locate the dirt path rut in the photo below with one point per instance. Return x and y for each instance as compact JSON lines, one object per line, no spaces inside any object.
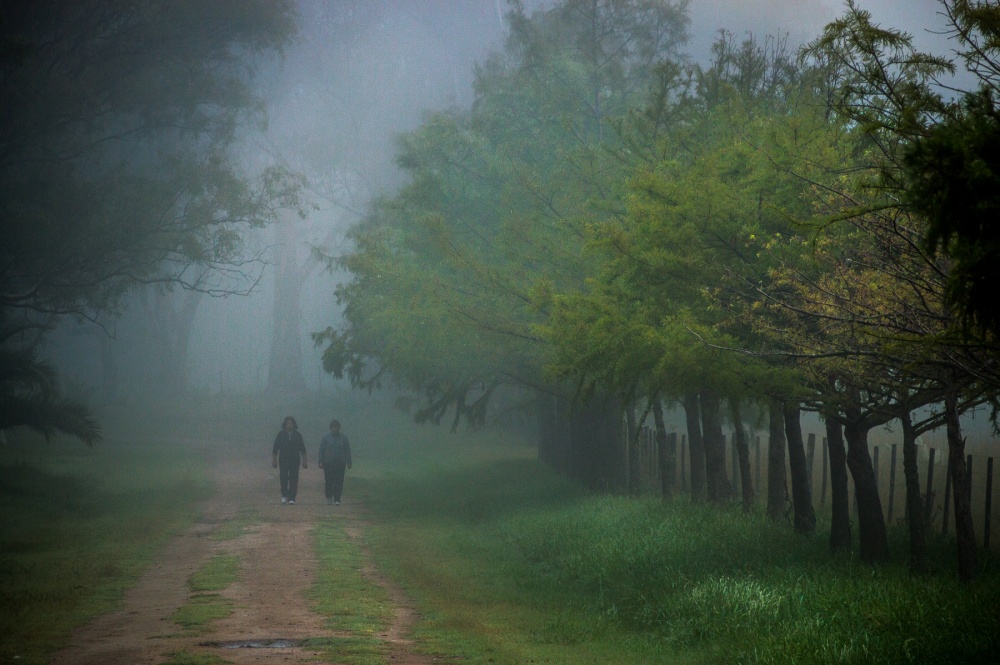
{"x":278,"y":566}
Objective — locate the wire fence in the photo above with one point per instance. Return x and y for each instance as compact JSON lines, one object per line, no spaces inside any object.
{"x":887,"y":460}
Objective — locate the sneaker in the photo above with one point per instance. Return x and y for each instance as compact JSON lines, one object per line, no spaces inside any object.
{"x":284,"y":499}
{"x":329,"y":501}
{"x":291,"y":502}
{"x":338,"y":503}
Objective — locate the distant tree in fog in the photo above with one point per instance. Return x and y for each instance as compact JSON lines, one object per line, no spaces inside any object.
{"x":116,"y":153}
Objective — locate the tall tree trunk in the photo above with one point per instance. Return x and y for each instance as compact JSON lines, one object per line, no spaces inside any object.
{"x":743,"y":453}
{"x":914,"y":508}
{"x":171,"y":329}
{"x":874,"y":542}
{"x":596,"y":437}
{"x":666,"y":446}
{"x":960,"y":482}
{"x":776,"y":491}
{"x":715,"y":447}
{"x":802,"y":507}
{"x":633,"y":447}
{"x":696,"y":448}
{"x":284,"y":367}
{"x":840,"y":520}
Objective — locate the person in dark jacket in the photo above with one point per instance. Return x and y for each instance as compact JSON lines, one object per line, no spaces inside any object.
{"x":288,"y":452}
{"x":334,"y":457}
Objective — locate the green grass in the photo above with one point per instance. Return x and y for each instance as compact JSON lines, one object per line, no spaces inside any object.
{"x":232,"y":529}
{"x":204,"y":606}
{"x":78,"y":526}
{"x":511,"y":564}
{"x":218,"y":573}
{"x":352,"y":603}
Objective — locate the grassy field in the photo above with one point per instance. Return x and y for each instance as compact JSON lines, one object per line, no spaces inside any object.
{"x":507,"y":562}
{"x":512,"y":564}
{"x":77,"y":527}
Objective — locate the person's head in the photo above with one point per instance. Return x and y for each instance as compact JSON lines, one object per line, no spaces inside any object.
{"x":289,"y":424}
{"x":334,"y":425}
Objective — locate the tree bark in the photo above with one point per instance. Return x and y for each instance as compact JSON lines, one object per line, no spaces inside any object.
{"x":914,"y":508}
{"x":776,"y":491}
{"x":596,"y":437}
{"x":716,"y":479}
{"x":804,"y":515}
{"x":284,"y":368}
{"x":964,"y":530}
{"x":874,"y":542}
{"x":840,"y":520}
{"x":666,"y":446}
{"x":633,"y":447}
{"x":696,"y":448}
{"x":743,"y":452}
{"x":171,"y":330}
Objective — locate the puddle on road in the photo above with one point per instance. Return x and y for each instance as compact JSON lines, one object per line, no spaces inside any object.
{"x":274,"y":643}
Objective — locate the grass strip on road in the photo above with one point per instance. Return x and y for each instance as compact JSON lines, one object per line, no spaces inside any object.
{"x":352,"y":603}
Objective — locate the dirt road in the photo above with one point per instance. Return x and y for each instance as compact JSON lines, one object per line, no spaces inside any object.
{"x":278,"y":567}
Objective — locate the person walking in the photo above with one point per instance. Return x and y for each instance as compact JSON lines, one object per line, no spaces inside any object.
{"x":334,"y":458}
{"x":288,"y":452}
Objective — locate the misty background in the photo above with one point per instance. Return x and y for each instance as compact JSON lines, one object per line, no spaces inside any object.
{"x":359,"y":73}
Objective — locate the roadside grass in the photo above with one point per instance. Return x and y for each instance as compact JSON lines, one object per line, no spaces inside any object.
{"x":78,"y":526}
{"x":510,"y":563}
{"x":352,"y":604}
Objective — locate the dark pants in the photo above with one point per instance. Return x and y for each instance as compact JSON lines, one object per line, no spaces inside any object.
{"x":333,"y":473}
{"x":289,"y":474}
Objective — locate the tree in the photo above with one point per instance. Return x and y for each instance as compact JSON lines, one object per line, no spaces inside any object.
{"x":116,"y":151}
{"x":449,"y":274}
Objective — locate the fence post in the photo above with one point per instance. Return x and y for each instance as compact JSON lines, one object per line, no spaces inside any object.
{"x":892,"y":480}
{"x":989,"y":502}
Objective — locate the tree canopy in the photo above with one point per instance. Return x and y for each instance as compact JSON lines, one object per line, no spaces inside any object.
{"x":119,"y":134}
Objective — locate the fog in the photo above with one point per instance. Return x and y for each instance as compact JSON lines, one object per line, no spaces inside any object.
{"x":358,"y":74}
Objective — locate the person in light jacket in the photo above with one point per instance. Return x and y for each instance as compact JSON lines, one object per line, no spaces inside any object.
{"x":334,"y":458}
{"x":288,"y":452}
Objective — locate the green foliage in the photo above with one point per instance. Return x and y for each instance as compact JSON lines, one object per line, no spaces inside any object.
{"x":116,"y":154}
{"x":953,"y":177}
{"x":118,"y":164}
{"x":446,"y":271}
